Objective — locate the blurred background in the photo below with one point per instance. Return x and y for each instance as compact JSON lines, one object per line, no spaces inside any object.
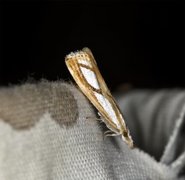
{"x":135,"y":43}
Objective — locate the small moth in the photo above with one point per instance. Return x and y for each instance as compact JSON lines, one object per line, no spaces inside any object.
{"x":85,"y":72}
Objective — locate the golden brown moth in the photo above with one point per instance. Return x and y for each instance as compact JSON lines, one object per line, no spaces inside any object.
{"x":85,"y":72}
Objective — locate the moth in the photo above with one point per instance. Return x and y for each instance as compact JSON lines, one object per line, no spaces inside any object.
{"x":84,"y":70}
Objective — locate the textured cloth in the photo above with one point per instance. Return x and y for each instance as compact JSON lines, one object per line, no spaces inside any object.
{"x":51,"y":131}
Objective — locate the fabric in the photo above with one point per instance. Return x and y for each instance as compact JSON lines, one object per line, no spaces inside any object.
{"x":49,"y":130}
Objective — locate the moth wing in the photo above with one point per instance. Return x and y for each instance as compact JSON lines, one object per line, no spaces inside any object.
{"x":84,"y":70}
{"x":102,"y":83}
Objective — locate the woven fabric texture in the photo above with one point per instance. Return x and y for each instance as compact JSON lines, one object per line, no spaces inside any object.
{"x":49,"y":130}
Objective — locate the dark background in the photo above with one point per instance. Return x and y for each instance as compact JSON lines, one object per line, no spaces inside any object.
{"x":140,"y":43}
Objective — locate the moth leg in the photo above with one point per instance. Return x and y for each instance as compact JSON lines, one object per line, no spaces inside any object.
{"x":107,"y":132}
{"x":113,"y":134}
{"x":99,"y":119}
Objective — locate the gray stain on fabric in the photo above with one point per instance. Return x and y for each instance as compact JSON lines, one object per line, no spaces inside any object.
{"x":22,"y":106}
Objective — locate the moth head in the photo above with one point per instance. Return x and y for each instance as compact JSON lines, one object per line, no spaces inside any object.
{"x":77,"y":55}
